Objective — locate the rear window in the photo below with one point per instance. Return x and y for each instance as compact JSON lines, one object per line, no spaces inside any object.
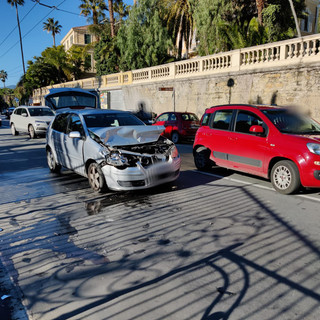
{"x":112,"y":120}
{"x":189,"y":117}
{"x":71,"y":100}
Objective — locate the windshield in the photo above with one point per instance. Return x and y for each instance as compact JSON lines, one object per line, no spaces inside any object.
{"x":71,"y":100}
{"x":289,"y":122}
{"x":111,"y":120}
{"x":40,"y":112}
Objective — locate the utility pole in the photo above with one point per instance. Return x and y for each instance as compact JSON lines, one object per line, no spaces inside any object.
{"x":24,"y":69}
{"x":295,"y":18}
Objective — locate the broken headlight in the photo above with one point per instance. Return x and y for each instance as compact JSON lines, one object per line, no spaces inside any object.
{"x":116,"y":159}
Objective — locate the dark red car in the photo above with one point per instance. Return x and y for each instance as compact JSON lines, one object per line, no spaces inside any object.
{"x":271,"y":142}
{"x":178,"y":125}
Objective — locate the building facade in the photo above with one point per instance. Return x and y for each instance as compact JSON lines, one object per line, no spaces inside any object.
{"x":80,"y":36}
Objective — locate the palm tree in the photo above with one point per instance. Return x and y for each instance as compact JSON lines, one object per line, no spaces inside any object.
{"x":52,"y":26}
{"x":180,"y":23}
{"x":260,"y":6}
{"x":3,"y":77}
{"x":94,"y":8}
{"x":15,"y":3}
{"x":111,"y":17}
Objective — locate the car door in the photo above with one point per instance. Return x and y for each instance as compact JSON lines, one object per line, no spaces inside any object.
{"x":74,"y":146}
{"x":14,"y":118}
{"x":24,"y":120}
{"x":247,"y":150}
{"x":57,"y":137}
{"x":218,"y":136}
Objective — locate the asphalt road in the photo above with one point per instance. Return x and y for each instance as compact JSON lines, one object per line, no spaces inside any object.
{"x":215,"y":245}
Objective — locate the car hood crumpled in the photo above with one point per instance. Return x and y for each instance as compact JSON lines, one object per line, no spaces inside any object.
{"x":128,"y":135}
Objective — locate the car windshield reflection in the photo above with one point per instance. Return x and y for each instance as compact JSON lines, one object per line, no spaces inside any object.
{"x":111,"y":120}
{"x":294,"y":123}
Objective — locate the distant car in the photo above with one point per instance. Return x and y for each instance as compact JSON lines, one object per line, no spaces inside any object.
{"x":73,"y":98}
{"x":31,"y":119}
{"x":178,"y":125}
{"x":271,"y":142}
{"x":113,"y":149}
{"x":9,"y":112}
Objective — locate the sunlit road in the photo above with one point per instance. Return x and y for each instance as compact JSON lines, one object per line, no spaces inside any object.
{"x":216,"y":245}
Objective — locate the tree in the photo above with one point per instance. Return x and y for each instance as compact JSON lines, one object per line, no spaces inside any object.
{"x":143,"y":39}
{"x":15,"y":3}
{"x":57,"y":57}
{"x":52,"y":26}
{"x":180,"y":23}
{"x":93,"y":8}
{"x":260,"y":6}
{"x":106,"y":53}
{"x":79,"y":61}
{"x":3,"y":77}
{"x":111,"y":17}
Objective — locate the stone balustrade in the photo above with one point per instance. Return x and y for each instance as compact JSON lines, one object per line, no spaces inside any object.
{"x":274,"y":55}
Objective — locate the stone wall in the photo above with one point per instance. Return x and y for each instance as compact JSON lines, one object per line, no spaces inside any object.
{"x":295,"y":86}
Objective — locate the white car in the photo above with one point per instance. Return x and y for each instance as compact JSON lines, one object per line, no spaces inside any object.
{"x":113,"y":149}
{"x":31,"y":119}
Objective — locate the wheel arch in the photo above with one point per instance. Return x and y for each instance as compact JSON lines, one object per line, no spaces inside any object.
{"x":274,"y":160}
{"x":88,"y":162}
{"x":201,"y":147}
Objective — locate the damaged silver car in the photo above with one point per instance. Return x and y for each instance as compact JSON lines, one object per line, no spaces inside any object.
{"x":114,"y":149}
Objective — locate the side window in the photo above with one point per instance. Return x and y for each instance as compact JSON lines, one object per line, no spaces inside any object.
{"x":18,"y":111}
{"x":245,"y":120}
{"x":163,"y":117}
{"x":60,"y":123}
{"x":172,"y":117}
{"x":222,"y":119}
{"x":24,"y":112}
{"x":205,"y":119}
{"x":75,"y":124}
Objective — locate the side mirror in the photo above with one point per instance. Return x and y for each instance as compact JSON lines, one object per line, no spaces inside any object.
{"x":24,"y":115}
{"x":75,"y":134}
{"x":256,"y":129}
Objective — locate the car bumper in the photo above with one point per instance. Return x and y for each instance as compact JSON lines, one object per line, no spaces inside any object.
{"x":136,"y":178}
{"x":310,"y":171}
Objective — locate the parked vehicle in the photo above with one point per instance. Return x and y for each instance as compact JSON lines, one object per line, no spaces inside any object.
{"x":9,"y":112}
{"x":31,"y":119}
{"x":113,"y":149}
{"x":74,"y":98}
{"x":178,"y":125}
{"x":274,"y":143}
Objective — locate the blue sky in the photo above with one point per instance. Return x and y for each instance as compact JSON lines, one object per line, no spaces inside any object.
{"x":35,"y":39}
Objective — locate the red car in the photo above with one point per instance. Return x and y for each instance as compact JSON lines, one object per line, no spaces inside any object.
{"x":271,"y":142}
{"x":178,"y":125}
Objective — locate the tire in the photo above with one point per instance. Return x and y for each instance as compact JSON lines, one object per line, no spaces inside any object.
{"x":52,"y":163}
{"x":175,"y":137}
{"x":96,"y":178}
{"x":31,"y":131}
{"x":202,"y":160}
{"x":285,"y":177}
{"x":13,"y":130}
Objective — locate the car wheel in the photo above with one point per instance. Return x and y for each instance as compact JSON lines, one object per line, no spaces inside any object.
{"x":32,"y":133}
{"x":202,"y":159}
{"x":96,"y":178}
{"x":285,"y":177}
{"x":175,"y":137}
{"x":52,"y":163}
{"x":13,"y":130}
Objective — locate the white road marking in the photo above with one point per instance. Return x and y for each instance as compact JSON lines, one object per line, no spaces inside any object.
{"x":253,"y":184}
